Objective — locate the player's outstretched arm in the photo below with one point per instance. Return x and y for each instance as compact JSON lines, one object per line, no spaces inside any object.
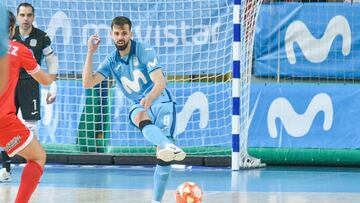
{"x":90,"y":79}
{"x":28,"y":62}
{"x":42,"y":77}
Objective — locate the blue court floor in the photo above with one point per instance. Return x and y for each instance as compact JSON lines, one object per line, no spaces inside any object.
{"x":133,"y":184}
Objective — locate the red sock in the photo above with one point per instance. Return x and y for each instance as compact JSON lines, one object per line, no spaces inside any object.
{"x":29,"y":180}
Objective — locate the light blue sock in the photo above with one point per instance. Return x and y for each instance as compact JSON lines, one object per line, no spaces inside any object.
{"x":154,"y":135}
{"x":161,"y":177}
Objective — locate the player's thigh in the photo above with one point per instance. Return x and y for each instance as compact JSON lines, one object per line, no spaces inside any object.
{"x":165,"y":117}
{"x":138,"y":113}
{"x":34,"y":151}
{"x":28,"y":98}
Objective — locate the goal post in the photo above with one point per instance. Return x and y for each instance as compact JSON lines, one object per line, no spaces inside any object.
{"x":245,"y":14}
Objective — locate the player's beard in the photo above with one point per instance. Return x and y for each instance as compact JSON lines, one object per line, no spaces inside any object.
{"x":121,"y":47}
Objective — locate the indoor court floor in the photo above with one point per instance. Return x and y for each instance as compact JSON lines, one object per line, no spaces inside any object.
{"x":133,"y":184}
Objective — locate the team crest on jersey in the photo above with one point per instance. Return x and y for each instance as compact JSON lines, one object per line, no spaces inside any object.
{"x":135,"y":61}
{"x":33,"y":42}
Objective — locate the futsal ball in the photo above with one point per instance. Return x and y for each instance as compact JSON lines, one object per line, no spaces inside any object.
{"x":189,"y":192}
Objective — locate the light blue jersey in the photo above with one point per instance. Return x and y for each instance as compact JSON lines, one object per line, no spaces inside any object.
{"x":132,"y":72}
{"x":3,"y":31}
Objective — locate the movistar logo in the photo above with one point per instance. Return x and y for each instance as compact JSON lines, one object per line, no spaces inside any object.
{"x":152,"y":64}
{"x":197,"y":101}
{"x":57,"y":21}
{"x":133,"y":85}
{"x":297,"y":124}
{"x":317,"y":50}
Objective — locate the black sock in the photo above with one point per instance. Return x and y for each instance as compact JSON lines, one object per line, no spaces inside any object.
{"x":6,"y":161}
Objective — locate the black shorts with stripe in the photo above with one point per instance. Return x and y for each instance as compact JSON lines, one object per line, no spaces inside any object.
{"x":27,"y":98}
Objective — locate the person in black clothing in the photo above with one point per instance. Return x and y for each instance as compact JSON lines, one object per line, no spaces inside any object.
{"x":28,"y":102}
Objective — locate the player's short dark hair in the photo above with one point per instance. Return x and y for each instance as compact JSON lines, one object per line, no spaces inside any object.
{"x":25,"y":4}
{"x":12,"y":19}
{"x":121,"y":21}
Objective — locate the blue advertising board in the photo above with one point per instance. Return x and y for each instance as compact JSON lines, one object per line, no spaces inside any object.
{"x":296,"y":40}
{"x":286,"y":116}
{"x":306,"y":116}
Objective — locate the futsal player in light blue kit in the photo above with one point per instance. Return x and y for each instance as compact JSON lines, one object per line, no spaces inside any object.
{"x":4,"y":37}
{"x":135,"y":67}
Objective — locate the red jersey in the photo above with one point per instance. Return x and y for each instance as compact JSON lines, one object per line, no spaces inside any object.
{"x":19,"y":57}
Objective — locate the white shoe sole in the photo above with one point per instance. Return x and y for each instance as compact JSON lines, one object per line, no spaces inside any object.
{"x":169,"y":155}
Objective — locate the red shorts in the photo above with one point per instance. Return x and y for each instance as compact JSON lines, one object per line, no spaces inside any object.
{"x":14,"y":135}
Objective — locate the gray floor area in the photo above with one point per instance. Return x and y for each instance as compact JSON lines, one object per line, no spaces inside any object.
{"x":133,"y":184}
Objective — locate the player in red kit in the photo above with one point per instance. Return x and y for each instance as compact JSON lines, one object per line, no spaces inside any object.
{"x":15,"y":137}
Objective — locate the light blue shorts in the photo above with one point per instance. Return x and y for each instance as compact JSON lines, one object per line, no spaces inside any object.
{"x":163,"y":115}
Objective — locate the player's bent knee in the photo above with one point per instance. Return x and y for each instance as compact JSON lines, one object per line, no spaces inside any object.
{"x":144,"y":123}
{"x":140,"y":116}
{"x":41,"y":158}
{"x":162,"y":163}
{"x":34,"y":152}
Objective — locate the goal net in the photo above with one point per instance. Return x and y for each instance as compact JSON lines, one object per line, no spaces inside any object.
{"x":193,"y":39}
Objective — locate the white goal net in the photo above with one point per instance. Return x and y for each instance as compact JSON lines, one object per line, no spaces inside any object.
{"x":193,"y":40}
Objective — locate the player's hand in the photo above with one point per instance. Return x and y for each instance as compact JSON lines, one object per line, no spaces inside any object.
{"x":50,"y":98}
{"x":146,"y":102}
{"x":93,"y":43}
{"x":51,"y":95}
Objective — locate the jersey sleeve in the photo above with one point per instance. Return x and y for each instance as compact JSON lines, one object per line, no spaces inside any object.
{"x":104,"y":68}
{"x":3,"y":31}
{"x":149,"y":57}
{"x":47,"y":49}
{"x":28,"y":61}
